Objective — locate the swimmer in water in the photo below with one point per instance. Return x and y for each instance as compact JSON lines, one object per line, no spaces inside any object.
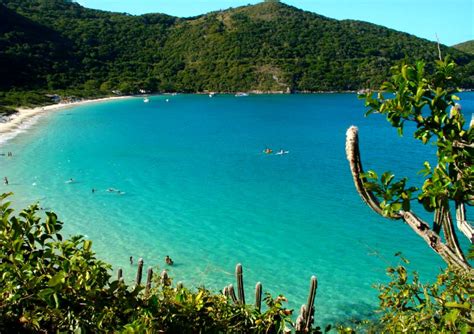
{"x":168,"y":260}
{"x":5,"y":180}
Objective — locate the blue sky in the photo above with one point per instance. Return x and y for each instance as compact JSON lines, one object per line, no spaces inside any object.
{"x":451,"y":20}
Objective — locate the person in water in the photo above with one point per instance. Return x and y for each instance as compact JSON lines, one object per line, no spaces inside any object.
{"x":5,"y":180}
{"x":131,"y":259}
{"x":267,"y":150}
{"x":168,"y":260}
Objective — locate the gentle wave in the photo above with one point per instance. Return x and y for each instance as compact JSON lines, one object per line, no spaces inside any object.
{"x":20,"y":128}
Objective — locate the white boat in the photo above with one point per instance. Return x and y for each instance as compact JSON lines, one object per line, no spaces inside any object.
{"x":241,"y":94}
{"x":146,"y":100}
{"x":281,"y":152}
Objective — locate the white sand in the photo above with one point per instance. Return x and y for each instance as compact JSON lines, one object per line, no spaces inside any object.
{"x":15,"y":121}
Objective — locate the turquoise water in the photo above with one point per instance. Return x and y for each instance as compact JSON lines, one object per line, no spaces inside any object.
{"x":198,"y":187}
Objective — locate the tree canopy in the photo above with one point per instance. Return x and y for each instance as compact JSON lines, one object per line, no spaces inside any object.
{"x":57,"y":44}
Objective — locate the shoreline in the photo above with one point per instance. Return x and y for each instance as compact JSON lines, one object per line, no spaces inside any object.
{"x":16,"y":122}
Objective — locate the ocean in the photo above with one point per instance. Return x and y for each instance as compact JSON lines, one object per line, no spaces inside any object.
{"x":189,"y":179}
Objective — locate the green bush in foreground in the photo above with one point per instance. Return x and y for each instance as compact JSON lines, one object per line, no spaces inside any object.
{"x":445,"y":306}
{"x":48,"y":284}
{"x":52,"y":285}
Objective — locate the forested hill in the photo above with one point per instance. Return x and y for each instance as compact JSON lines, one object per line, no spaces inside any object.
{"x":467,"y":47}
{"x":56,"y":44}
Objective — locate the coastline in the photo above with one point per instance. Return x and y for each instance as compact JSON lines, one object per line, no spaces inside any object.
{"x":24,"y":117}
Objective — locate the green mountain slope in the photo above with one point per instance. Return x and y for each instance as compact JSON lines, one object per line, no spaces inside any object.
{"x":467,"y":47}
{"x":268,"y":47}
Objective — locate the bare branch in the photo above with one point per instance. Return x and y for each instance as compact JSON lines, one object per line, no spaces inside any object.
{"x":450,"y":234}
{"x":459,"y":144}
{"x":439,"y":48}
{"x":434,"y":241}
{"x":462,"y":223}
{"x":450,"y":252}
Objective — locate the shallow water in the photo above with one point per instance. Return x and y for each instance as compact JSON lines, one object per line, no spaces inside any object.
{"x":197,"y":186}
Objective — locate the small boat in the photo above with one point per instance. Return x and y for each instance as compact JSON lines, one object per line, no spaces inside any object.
{"x":146,"y":100}
{"x":281,"y":152}
{"x":212,"y":94}
{"x":241,"y":94}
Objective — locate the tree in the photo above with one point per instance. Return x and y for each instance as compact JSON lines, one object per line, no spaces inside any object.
{"x":430,"y":103}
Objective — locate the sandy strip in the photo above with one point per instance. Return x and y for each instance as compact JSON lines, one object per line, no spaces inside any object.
{"x":15,"y":121}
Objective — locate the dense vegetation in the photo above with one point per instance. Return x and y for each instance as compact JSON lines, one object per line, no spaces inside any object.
{"x":51,"y":285}
{"x":467,"y":47}
{"x":57,"y":44}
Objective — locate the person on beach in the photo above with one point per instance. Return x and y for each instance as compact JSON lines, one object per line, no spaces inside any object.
{"x":168,"y":260}
{"x":5,"y":180}
{"x":131,"y":259}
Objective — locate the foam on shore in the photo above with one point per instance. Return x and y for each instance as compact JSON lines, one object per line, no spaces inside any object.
{"x":11,"y":126}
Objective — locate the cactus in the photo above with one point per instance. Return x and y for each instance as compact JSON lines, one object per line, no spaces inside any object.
{"x":300,"y":324}
{"x":138,"y":279}
{"x":310,"y":304}
{"x":304,"y":320}
{"x":149,"y":276}
{"x":258,"y":296}
{"x":165,"y":280}
{"x":239,"y":275}
{"x":230,"y":289}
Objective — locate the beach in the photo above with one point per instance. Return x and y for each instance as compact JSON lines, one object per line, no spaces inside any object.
{"x":25,"y":117}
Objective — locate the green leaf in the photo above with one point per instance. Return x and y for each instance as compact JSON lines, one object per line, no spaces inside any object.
{"x":57,"y":279}
{"x":465,"y":306}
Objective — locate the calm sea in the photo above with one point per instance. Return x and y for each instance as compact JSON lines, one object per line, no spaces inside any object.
{"x":195,"y":185}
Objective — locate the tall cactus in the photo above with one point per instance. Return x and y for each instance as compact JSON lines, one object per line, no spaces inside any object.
{"x":138,"y":279}
{"x":310,"y":304}
{"x":239,"y":275}
{"x":258,"y":296}
{"x":149,"y":277}
{"x":306,"y":317}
